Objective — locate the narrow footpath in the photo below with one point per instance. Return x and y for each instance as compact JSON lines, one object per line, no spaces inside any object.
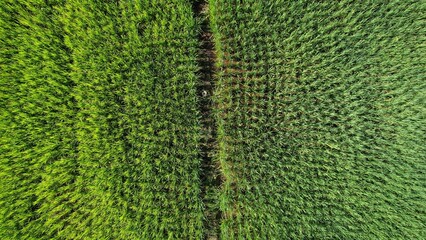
{"x":210,"y":174}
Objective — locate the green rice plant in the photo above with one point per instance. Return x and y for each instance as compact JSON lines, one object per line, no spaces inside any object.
{"x":37,"y":166}
{"x":99,"y":120}
{"x":321,"y":112}
{"x":320,"y":109}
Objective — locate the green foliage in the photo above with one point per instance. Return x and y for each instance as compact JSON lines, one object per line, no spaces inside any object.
{"x":99,"y":120}
{"x":321,"y":111}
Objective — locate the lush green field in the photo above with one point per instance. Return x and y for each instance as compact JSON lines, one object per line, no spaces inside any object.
{"x":107,"y":125}
{"x":99,"y":120}
{"x":321,"y":111}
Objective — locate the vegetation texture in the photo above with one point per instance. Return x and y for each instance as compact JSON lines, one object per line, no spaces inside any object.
{"x":321,"y":111}
{"x":99,"y":120}
{"x":106,"y":129}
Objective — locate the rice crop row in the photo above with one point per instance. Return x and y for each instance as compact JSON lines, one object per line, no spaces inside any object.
{"x":321,"y":111}
{"x":99,"y":120}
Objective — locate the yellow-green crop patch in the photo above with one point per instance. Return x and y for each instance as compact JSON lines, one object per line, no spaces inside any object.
{"x":99,"y":120}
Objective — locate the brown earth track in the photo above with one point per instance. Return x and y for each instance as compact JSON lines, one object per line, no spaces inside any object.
{"x":210,"y":175}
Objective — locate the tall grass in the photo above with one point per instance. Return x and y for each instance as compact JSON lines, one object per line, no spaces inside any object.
{"x":99,"y":120}
{"x":321,"y":111}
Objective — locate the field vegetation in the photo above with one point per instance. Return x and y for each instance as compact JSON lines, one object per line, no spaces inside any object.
{"x":218,"y":119}
{"x":99,"y":120}
{"x":321,"y":111}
